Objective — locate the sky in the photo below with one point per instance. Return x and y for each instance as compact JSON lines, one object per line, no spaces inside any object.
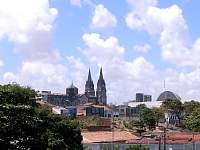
{"x":47,"y":44}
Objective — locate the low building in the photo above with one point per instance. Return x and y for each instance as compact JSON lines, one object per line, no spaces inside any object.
{"x":108,"y":137}
{"x":44,"y":95}
{"x":57,"y":99}
{"x":125,"y":111}
{"x":172,"y":117}
{"x":150,"y":104}
{"x":65,"y":111}
{"x":89,"y":109}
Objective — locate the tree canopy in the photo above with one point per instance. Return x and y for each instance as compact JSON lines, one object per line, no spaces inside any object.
{"x":146,"y":118}
{"x":172,"y":105}
{"x":26,"y":125}
{"x":192,"y":120}
{"x":190,"y":106}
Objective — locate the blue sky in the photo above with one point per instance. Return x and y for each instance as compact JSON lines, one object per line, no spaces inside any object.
{"x":48,"y":44}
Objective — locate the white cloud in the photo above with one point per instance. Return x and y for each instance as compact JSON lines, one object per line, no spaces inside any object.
{"x":29,"y":24}
{"x":76,"y":2}
{"x":49,"y":76}
{"x":120,"y":74}
{"x":124,"y":78}
{"x":142,"y":48}
{"x":9,"y":77}
{"x":79,"y":3}
{"x":101,"y":49}
{"x":169,"y":24}
{"x":103,"y":18}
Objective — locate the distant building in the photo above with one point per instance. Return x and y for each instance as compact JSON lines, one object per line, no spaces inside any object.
{"x":73,"y":98}
{"x":90,"y":109}
{"x":101,"y":90}
{"x":67,"y":111}
{"x":72,"y":91}
{"x":44,"y":95}
{"x":89,"y":89}
{"x":125,"y":111}
{"x":101,"y":97}
{"x":173,"y":117}
{"x":57,"y":99}
{"x":82,"y":99}
{"x":139,"y":97}
{"x":149,"y":104}
{"x":147,"y":98}
{"x":168,"y":94}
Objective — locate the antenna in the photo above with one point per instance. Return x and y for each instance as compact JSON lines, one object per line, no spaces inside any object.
{"x":164,"y":86}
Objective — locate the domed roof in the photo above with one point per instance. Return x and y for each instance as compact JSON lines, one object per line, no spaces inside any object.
{"x":72,"y":86}
{"x":168,"y":94}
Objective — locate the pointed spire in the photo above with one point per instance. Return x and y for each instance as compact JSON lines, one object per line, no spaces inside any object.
{"x":101,"y":74}
{"x":89,"y":76}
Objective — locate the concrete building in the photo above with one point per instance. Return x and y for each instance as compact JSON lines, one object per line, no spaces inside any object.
{"x":67,"y":111}
{"x":139,"y":97}
{"x":44,"y":95}
{"x":147,"y":98}
{"x":89,"y":109}
{"x":57,"y":99}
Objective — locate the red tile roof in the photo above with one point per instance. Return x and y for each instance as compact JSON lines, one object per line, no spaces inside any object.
{"x":107,"y":136}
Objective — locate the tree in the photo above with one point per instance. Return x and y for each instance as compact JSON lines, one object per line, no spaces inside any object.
{"x":26,"y":125}
{"x":174,"y":105}
{"x":17,"y":95}
{"x":147,"y":116}
{"x":190,"y":106}
{"x":192,"y":121}
{"x":158,"y":114}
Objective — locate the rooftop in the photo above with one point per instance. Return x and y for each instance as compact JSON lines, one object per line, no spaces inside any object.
{"x":107,"y":136}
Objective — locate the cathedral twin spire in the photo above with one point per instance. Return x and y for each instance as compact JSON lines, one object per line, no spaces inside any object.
{"x":89,"y":86}
{"x":101,"y":88}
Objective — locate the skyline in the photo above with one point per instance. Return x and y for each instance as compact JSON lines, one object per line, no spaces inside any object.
{"x":47,"y":44}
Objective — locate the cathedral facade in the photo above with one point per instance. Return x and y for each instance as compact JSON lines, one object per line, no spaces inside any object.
{"x":100,"y":97}
{"x":72,"y":97}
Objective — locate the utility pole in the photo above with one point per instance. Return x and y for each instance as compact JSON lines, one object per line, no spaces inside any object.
{"x":193,"y":143}
{"x":164,"y":140}
{"x":159,"y":143}
{"x":112,"y":129}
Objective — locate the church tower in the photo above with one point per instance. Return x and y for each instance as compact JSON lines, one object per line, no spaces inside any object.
{"x":89,"y":87}
{"x":101,"y":90}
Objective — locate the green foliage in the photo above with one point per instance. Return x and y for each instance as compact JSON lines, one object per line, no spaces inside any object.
{"x":141,"y":106}
{"x":25,"y":125}
{"x":174,"y":105}
{"x":192,"y":121}
{"x":190,"y":106}
{"x":158,"y":114}
{"x":146,"y":116}
{"x":15,"y":94}
{"x":90,"y":121}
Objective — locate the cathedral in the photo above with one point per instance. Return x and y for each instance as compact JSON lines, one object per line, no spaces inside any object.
{"x":100,"y":97}
{"x":90,"y":96}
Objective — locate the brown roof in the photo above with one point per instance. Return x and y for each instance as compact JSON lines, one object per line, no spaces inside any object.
{"x":171,"y":138}
{"x":107,"y":136}
{"x":183,"y":136}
